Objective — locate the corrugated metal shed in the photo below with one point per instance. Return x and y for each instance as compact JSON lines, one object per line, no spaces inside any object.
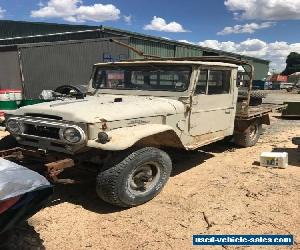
{"x":148,"y":44}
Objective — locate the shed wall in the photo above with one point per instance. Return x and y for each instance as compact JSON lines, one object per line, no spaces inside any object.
{"x":10,"y":76}
{"x":151,"y":48}
{"x":50,"y":66}
{"x":260,"y":70}
{"x":186,"y":51}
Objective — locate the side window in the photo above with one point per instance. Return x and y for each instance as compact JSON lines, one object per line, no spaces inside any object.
{"x":202,"y":82}
{"x":219,"y":82}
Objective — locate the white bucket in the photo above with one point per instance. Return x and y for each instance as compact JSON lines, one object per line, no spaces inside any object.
{"x":274,"y":159}
{"x":4,"y":95}
{"x":11,"y":95}
{"x":17,"y":94}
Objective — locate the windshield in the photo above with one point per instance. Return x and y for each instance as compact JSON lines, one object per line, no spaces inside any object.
{"x":146,"y":77}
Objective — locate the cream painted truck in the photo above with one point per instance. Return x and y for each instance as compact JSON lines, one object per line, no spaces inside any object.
{"x":133,"y":112}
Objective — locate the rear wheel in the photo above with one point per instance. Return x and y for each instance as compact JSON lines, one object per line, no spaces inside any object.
{"x":136,"y":179}
{"x":250,"y":136}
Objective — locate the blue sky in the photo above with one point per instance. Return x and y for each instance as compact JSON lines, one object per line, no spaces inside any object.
{"x":262,"y":28}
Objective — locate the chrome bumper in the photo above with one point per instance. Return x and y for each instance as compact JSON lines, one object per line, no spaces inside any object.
{"x":46,"y":134}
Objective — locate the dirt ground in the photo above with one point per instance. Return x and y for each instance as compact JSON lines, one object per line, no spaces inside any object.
{"x":220,"y":189}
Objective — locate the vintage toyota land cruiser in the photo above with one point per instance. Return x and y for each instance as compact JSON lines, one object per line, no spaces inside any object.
{"x":132,"y":113}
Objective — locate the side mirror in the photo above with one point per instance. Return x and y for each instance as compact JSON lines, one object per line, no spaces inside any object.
{"x":179,"y":85}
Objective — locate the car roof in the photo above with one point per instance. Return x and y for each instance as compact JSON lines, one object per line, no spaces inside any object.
{"x":168,"y":63}
{"x":200,"y":60}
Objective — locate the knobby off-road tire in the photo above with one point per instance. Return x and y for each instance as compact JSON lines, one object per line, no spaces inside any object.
{"x":250,"y":136}
{"x":136,"y":179}
{"x":258,"y":94}
{"x":253,"y":94}
{"x":7,"y":142}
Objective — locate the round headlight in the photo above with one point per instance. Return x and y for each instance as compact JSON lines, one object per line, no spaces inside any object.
{"x":72,"y":135}
{"x":13,"y":126}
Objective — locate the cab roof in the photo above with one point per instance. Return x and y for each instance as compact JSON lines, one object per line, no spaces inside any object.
{"x":168,"y":62}
{"x":203,"y":60}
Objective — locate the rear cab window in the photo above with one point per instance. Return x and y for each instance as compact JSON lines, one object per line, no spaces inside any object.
{"x":213,"y":82}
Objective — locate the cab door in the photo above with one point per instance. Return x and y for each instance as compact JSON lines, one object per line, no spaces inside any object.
{"x":214,"y":104}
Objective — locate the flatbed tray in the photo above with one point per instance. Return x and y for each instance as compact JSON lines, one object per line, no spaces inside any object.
{"x":259,"y":110}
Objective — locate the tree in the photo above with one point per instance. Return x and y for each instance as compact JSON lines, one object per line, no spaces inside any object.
{"x":292,"y":64}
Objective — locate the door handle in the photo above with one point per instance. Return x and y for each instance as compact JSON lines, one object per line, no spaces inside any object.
{"x":228,"y":110}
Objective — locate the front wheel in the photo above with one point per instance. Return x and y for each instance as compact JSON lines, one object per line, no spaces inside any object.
{"x":250,"y":136}
{"x":136,"y":179}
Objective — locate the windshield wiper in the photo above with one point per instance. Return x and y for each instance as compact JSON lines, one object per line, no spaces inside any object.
{"x":155,"y":67}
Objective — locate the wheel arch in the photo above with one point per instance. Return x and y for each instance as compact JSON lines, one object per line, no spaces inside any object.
{"x":243,"y":124}
{"x":155,"y":135}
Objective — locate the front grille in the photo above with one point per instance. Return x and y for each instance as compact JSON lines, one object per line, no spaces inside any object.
{"x":41,"y":131}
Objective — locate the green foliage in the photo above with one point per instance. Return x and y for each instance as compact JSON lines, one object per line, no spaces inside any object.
{"x":292,"y":64}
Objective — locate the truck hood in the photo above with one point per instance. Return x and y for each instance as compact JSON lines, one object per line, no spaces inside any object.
{"x":93,"y":108}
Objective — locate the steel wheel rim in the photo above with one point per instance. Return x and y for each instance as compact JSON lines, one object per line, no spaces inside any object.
{"x":144,"y":178}
{"x":253,"y":131}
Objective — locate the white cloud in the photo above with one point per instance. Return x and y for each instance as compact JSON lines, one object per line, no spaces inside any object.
{"x":264,"y":9}
{"x":276,"y":52}
{"x":185,"y":41}
{"x":2,"y":11}
{"x":160,"y":24}
{"x":75,"y":11}
{"x":128,"y":19}
{"x":246,"y":28}
{"x":40,"y":4}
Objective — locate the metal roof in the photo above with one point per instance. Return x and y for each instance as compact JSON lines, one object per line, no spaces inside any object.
{"x":42,"y":44}
{"x":10,"y":28}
